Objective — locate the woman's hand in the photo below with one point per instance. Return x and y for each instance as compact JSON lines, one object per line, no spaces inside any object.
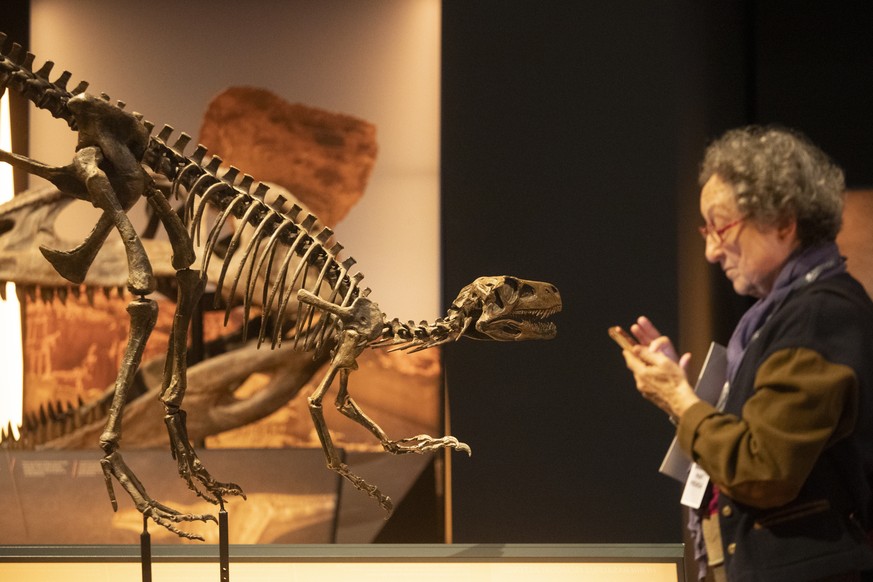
{"x":658,"y":370}
{"x":648,"y":335}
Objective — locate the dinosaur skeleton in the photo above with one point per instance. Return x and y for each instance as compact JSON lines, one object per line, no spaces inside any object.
{"x":114,"y":151}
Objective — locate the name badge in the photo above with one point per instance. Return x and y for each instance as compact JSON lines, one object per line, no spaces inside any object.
{"x":695,"y":487}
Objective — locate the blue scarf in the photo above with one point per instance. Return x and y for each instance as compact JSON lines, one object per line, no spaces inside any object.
{"x":805,"y":266}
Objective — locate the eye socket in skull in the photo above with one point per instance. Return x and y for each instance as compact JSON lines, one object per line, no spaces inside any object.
{"x":6,"y":225}
{"x":502,"y":295}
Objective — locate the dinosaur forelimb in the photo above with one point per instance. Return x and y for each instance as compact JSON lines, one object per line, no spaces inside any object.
{"x":419,"y":444}
{"x":425,"y":444}
{"x":334,"y":462}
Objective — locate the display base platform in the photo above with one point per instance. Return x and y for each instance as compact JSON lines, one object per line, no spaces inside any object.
{"x":360,"y":563}
{"x":59,"y":497}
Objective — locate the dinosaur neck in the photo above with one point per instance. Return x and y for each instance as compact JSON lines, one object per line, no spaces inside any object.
{"x":397,"y":335}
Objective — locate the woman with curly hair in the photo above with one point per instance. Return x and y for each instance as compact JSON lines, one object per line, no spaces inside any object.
{"x":785,"y":457}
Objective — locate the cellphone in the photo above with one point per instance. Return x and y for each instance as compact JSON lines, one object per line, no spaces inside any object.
{"x":622,"y":338}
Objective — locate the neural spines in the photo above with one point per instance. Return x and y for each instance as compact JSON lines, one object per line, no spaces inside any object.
{"x":16,"y":71}
{"x":44,"y":71}
{"x":61,"y":82}
{"x":181,"y":143}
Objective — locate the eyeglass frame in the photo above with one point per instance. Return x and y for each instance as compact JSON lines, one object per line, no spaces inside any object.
{"x":718,"y":233}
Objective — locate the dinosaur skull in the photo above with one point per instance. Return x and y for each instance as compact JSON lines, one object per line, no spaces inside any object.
{"x":509,"y":309}
{"x":28,"y":221}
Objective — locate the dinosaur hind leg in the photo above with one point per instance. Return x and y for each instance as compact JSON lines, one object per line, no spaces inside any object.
{"x":143,"y":314}
{"x":190,"y":467}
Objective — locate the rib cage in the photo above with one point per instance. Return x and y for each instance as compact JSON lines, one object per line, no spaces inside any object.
{"x":281,"y":231}
{"x":279,"y":235}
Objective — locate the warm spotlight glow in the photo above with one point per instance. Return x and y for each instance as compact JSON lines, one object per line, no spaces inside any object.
{"x":11,"y":354}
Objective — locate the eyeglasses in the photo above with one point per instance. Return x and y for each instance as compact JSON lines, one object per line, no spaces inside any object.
{"x":717,"y":233}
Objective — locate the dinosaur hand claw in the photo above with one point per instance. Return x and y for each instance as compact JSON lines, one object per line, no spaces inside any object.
{"x":425,"y":443}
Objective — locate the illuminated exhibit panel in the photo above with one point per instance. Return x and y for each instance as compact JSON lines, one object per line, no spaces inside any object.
{"x":362,"y":563}
{"x":368,"y":572}
{"x":10,"y":311}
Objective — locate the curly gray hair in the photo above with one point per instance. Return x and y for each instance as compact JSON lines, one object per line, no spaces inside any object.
{"x":778,"y":174}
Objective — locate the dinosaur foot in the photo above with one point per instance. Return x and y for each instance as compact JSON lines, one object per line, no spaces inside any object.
{"x":113,"y":465}
{"x":424,"y":444}
{"x":384,"y":501}
{"x":192,"y":470}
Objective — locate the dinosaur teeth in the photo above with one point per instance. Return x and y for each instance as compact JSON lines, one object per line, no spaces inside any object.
{"x":538,"y":313}
{"x":47,"y":294}
{"x":25,"y":293}
{"x":6,"y":433}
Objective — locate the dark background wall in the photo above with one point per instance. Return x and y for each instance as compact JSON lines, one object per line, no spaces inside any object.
{"x":571,"y":138}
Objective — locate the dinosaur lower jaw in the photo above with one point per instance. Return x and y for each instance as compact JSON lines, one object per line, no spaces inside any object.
{"x":518,"y":329}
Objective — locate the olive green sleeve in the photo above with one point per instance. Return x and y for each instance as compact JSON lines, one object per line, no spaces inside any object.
{"x":801,"y":403}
